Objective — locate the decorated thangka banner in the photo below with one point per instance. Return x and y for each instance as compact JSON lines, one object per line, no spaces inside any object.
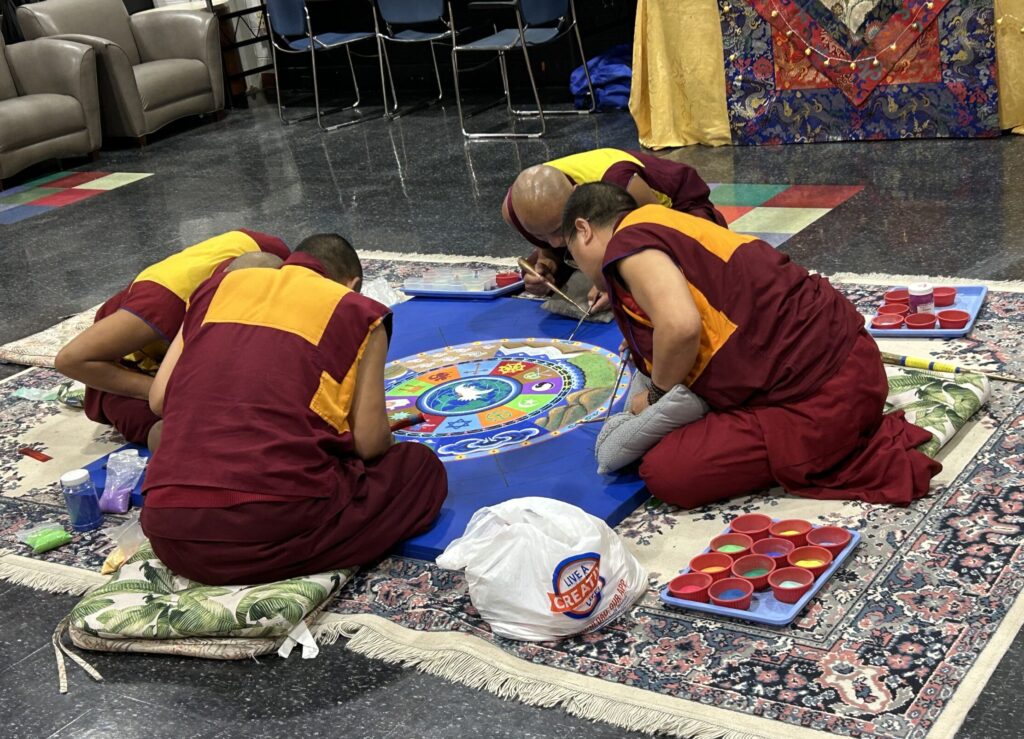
{"x":848,"y":70}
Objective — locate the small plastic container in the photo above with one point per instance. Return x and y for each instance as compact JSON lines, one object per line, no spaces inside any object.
{"x":773,"y":547}
{"x":82,"y":501}
{"x":754,"y":525}
{"x":953,"y":318}
{"x":898,"y":295}
{"x":754,"y":568}
{"x":735,"y":545}
{"x":832,"y":538}
{"x":944,"y":296}
{"x":732,"y":592}
{"x":813,"y":559}
{"x":894,"y":309}
{"x":921,"y":298}
{"x":887,"y":321}
{"x":790,"y":583}
{"x":504,"y":279}
{"x":715,"y":564}
{"x":791,"y":529}
{"x":691,"y":586}
{"x":920,"y":320}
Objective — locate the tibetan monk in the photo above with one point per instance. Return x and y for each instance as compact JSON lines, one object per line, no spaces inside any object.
{"x":534,"y":204}
{"x":118,"y":355}
{"x":276,"y":458}
{"x":795,"y":384}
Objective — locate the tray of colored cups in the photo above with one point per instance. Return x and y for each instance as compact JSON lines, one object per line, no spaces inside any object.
{"x":761,"y":569}
{"x":956,"y":309}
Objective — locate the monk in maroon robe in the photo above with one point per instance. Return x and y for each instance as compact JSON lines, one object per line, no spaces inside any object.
{"x":795,"y":384}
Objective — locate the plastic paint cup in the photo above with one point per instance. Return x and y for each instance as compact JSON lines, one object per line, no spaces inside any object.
{"x":898,"y":295}
{"x":754,"y":525}
{"x":920,"y":320}
{"x":944,"y":296}
{"x":894,"y":309}
{"x":715,"y":564}
{"x":813,"y":559}
{"x":953,"y":318}
{"x":773,"y":547}
{"x":789,"y":584}
{"x":832,"y":538}
{"x":887,"y":322}
{"x":690,"y":586}
{"x":754,"y":568}
{"x":504,"y":279}
{"x":732,"y":592}
{"x":791,"y":529}
{"x":735,"y":545}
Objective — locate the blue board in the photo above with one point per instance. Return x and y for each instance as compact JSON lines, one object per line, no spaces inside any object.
{"x":764,"y":607}
{"x":969,"y":298}
{"x":423,"y":325}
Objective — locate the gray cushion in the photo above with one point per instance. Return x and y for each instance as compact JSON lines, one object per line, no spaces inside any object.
{"x":625,"y":437}
{"x":7,"y":88}
{"x":33,"y":118}
{"x":106,"y":19}
{"x":169,"y":80}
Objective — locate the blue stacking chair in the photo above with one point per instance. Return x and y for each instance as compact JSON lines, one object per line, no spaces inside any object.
{"x":538,"y":23}
{"x":292,"y":33}
{"x":406,"y":13}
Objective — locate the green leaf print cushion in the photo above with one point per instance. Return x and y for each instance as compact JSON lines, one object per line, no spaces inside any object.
{"x":941,"y":404}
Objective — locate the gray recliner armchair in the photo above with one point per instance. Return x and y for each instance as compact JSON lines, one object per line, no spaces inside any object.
{"x":153,"y":67}
{"x":49,"y":104}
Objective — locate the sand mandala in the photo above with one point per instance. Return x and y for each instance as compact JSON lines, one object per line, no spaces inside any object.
{"x":488,"y":397}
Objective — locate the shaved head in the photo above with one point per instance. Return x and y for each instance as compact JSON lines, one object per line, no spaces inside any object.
{"x":539,"y":195}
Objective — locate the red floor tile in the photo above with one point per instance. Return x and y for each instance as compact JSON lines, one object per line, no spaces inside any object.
{"x":812,"y":196}
{"x":732,"y":212}
{"x":78,"y":178}
{"x":66,"y":197}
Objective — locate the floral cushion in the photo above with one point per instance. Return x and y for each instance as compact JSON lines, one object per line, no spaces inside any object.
{"x":145,"y":601}
{"x":941,"y":404}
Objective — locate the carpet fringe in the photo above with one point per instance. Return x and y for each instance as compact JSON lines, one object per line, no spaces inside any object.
{"x":475,"y":672}
{"x":881,"y":278}
{"x":46,"y":576}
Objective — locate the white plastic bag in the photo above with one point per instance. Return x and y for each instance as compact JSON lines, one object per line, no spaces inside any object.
{"x":539,"y":569}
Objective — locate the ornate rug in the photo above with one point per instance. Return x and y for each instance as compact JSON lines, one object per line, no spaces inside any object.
{"x":899,"y":644}
{"x":849,"y":70}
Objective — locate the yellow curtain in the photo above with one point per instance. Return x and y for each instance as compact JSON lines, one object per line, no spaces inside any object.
{"x":678,"y":94}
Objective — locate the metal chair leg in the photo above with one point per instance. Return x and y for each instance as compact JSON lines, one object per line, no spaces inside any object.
{"x":586,"y":69}
{"x":392,"y":110}
{"x":590,"y":86}
{"x":437,"y":71}
{"x":504,"y":81}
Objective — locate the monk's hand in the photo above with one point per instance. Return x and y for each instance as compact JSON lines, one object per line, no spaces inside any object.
{"x":598,"y":300}
{"x":545,"y":267}
{"x":638,"y":403}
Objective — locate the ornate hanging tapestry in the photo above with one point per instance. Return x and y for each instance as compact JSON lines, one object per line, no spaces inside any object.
{"x":801,"y":71}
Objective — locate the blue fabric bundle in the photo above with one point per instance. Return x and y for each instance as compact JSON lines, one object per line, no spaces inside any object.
{"x":611,"y":76}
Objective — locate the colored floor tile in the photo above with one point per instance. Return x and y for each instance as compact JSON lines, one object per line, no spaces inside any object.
{"x":117,"y":179}
{"x":76,"y":179}
{"x":67,"y":197}
{"x":27,"y":196}
{"x":45,"y":179}
{"x":732,"y":212}
{"x":813,"y":196}
{"x":744,"y":194}
{"x":773,"y":239}
{"x":21,"y":212}
{"x":777,"y":220}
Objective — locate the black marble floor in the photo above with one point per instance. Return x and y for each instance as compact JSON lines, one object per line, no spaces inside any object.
{"x":945,"y":207}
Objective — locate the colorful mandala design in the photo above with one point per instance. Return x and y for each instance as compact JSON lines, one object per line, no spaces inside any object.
{"x":488,"y":397}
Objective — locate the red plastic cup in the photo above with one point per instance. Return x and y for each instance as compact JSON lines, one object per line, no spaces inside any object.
{"x":953,"y":318}
{"x":920,"y":320}
{"x":732,"y":592}
{"x":791,"y":529}
{"x":754,"y":525}
{"x":944,"y":296}
{"x":504,"y":279}
{"x":691,"y":586}
{"x":790,"y":583}
{"x":755,"y":568}
{"x":813,"y":559}
{"x":715,"y":564}
{"x":887,"y":321}
{"x":773,"y":547}
{"x":894,"y":309}
{"x":732,"y":540}
{"x":898,"y":295}
{"x":832,"y":538}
